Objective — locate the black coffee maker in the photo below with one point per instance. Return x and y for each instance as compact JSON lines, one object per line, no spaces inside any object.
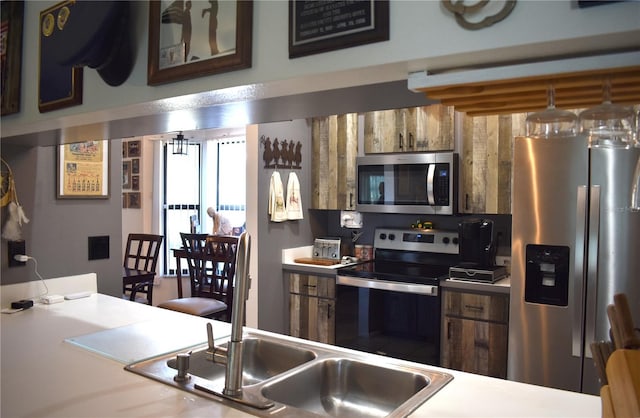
{"x":477,"y":248}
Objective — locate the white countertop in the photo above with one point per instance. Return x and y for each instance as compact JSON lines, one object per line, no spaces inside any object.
{"x":290,"y":254}
{"x":43,"y":374}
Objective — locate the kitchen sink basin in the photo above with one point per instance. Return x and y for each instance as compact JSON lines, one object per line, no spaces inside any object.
{"x":261,"y":360}
{"x":288,"y":377}
{"x":342,"y":387}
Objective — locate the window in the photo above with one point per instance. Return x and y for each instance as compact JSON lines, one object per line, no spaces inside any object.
{"x":212,"y":174}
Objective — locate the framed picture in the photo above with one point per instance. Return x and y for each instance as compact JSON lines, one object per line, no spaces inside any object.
{"x":317,"y":26}
{"x":203,"y":38}
{"x":133,"y":149}
{"x":126,"y":174}
{"x":135,"y":182}
{"x":135,"y":166}
{"x":59,"y":86}
{"x":134,"y":200}
{"x":125,"y":201}
{"x":125,"y":153}
{"x":12,"y":17}
{"x":83,"y":170}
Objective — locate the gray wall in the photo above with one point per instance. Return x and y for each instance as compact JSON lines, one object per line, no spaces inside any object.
{"x":274,"y":236}
{"x":58,"y":231}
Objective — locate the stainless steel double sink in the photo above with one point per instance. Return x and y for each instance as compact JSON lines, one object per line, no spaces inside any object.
{"x":306,"y":379}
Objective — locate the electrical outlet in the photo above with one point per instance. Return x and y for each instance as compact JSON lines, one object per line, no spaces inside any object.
{"x":15,"y":248}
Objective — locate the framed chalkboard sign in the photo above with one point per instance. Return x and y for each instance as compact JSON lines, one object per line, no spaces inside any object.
{"x":322,"y":26}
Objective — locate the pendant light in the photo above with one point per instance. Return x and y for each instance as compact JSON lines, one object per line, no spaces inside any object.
{"x":179,"y":144}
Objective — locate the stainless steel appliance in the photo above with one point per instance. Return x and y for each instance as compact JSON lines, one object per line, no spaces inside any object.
{"x":420,"y":183}
{"x":477,"y":252}
{"x":574,"y":245}
{"x":391,"y":305}
{"x":477,"y":246}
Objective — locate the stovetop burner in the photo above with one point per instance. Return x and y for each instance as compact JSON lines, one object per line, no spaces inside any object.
{"x":397,"y":272}
{"x":409,"y":256}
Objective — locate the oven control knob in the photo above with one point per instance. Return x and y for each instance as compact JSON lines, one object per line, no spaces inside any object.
{"x":383,"y":236}
{"x":455,"y":241}
{"x":445,"y":240}
{"x":392,"y":236}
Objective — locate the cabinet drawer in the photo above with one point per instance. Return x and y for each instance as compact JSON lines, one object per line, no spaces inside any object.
{"x":477,"y":306}
{"x":305,"y":284}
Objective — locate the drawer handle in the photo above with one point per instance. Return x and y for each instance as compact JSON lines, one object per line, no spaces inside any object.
{"x":474,"y":308}
{"x":310,"y":286}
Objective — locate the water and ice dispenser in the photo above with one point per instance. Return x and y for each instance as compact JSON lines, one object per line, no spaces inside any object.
{"x":547,"y":274}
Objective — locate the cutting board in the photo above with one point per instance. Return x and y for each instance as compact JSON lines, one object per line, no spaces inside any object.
{"x":143,"y":340}
{"x":316,"y":261}
{"x":623,"y":374}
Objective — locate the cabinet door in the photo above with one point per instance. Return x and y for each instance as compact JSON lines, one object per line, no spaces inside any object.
{"x":486,"y":161}
{"x":381,"y":132}
{"x":335,"y":148}
{"x":433,"y":128}
{"x":312,"y":307}
{"x":475,"y":346}
{"x":312,"y":318}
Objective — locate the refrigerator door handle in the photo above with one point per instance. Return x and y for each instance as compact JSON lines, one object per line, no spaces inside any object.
{"x":592,"y":264}
{"x":579,"y":272}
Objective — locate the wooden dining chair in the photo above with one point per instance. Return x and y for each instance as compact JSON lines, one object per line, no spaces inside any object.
{"x":212,"y":262}
{"x":141,"y":255}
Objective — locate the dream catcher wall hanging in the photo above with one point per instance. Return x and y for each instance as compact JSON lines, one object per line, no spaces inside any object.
{"x":9,"y":197}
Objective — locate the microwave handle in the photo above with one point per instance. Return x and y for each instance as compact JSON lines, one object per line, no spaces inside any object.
{"x":431,"y":172}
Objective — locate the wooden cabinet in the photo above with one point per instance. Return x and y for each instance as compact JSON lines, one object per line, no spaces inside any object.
{"x":475,"y":332}
{"x":414,"y":129}
{"x":335,"y":147}
{"x":486,"y":162}
{"x":312,"y":307}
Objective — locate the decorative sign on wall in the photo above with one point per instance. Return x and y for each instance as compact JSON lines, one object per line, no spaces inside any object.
{"x":83,"y":170}
{"x":281,"y":153}
{"x":476,"y":16}
{"x":131,"y":156}
{"x":322,"y":26}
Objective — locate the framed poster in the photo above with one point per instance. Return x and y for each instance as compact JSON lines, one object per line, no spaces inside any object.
{"x":133,"y":149}
{"x":135,"y":166}
{"x":319,"y":26}
{"x":126,"y":174}
{"x":197,"y":38}
{"x":12,"y":17}
{"x":59,"y":86}
{"x":134,"y":200}
{"x":83,"y":170}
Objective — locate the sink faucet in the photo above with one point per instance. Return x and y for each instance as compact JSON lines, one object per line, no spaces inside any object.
{"x":233,"y":374}
{"x":232,"y":355}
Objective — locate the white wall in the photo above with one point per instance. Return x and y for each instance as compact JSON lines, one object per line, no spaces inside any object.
{"x":423,"y":35}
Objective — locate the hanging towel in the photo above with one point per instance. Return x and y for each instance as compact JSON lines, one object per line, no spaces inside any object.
{"x":277,"y":208}
{"x":294,"y":201}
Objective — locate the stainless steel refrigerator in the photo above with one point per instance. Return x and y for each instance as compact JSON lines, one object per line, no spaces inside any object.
{"x":575,"y":243}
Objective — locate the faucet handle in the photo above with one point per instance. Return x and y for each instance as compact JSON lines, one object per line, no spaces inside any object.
{"x":210,"y":340}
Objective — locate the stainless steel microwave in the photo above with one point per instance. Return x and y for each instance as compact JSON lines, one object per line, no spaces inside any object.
{"x":420,"y":183}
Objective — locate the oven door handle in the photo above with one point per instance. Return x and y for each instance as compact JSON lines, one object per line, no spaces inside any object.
{"x":422,"y":289}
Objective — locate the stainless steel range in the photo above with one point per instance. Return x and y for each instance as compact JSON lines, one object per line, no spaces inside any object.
{"x":391,"y":305}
